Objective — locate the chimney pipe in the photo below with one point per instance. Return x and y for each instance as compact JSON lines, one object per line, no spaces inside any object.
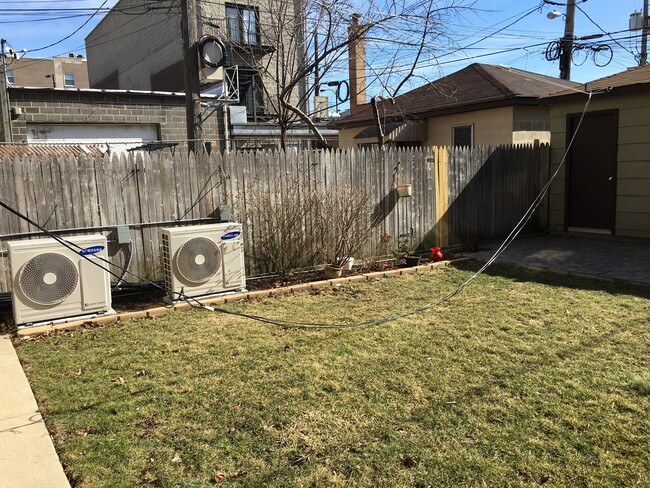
{"x":357,"y":65}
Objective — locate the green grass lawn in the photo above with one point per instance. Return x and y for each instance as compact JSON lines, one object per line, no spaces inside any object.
{"x":522,"y":379}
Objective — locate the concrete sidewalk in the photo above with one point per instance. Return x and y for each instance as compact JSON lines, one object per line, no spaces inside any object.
{"x":27,"y":455}
{"x":605,"y":258}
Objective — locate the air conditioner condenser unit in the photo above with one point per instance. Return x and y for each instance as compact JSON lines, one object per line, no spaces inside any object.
{"x":203,"y":260}
{"x":54,"y":283}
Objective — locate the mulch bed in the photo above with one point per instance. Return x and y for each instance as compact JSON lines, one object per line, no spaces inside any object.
{"x":275,"y":281}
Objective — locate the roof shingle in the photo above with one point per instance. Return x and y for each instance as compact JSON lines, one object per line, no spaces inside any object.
{"x":475,"y":84}
{"x":639,"y":75}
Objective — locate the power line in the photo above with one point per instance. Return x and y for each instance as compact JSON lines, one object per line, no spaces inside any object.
{"x":526,"y":14}
{"x":603,"y":30}
{"x":69,"y":35}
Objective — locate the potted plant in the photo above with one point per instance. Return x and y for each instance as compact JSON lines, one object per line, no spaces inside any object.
{"x":332,"y":271}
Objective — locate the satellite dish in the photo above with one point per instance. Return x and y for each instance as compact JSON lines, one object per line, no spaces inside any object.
{"x":212,"y":51}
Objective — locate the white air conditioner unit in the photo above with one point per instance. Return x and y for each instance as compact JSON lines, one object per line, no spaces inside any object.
{"x":203,"y":259}
{"x":52,"y":283}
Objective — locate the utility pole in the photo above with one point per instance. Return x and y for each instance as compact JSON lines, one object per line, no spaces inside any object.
{"x":4,"y":98}
{"x":566,"y":44}
{"x":643,"y":60}
{"x":189,"y":29}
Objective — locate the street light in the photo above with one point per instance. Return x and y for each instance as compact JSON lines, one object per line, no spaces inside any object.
{"x":566,"y":43}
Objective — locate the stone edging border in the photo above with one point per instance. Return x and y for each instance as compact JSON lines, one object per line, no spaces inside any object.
{"x":237,"y":297}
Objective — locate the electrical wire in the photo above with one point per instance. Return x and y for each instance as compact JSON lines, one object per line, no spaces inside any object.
{"x":71,"y":34}
{"x":604,"y":32}
{"x":126,"y":267}
{"x":511,"y":237}
{"x":31,"y":62}
{"x":75,"y":247}
{"x":526,"y":14}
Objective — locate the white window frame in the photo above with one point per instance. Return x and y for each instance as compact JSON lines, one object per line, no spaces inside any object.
{"x":462,"y":126}
{"x":245,"y":16}
{"x":10,"y":76}
{"x":65,"y":79}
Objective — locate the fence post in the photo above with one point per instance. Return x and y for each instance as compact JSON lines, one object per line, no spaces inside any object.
{"x":539,"y":153}
{"x":442,"y":195}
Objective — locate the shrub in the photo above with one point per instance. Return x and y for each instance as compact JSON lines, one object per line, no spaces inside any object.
{"x":343,"y":223}
{"x":280,"y":224}
{"x":294,"y":227}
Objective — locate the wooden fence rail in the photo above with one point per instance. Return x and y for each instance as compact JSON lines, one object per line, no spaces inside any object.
{"x":487,"y":190}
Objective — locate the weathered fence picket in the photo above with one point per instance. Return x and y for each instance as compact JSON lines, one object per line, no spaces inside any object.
{"x":489,"y":189}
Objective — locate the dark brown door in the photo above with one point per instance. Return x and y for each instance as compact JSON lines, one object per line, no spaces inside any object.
{"x":591,"y":172}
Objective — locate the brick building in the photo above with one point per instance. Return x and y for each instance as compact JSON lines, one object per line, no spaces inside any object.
{"x":138,"y":46}
{"x":119,"y":118}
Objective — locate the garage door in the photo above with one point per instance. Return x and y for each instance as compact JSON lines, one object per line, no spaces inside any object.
{"x":118,"y":136}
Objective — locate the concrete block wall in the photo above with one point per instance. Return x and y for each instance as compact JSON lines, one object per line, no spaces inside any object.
{"x":50,"y":106}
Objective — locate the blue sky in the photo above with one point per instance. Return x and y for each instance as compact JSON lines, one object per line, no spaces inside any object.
{"x":527,"y":38}
{"x":536,"y":28}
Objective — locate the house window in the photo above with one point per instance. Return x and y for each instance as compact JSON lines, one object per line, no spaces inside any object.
{"x":462,"y":135}
{"x":10,"y":76}
{"x":242,"y":24}
{"x":68,"y":79}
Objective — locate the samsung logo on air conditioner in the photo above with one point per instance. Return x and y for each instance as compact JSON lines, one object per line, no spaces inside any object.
{"x":91,"y":250}
{"x":230,"y":235}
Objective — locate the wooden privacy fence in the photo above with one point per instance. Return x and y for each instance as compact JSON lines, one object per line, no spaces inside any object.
{"x":458,"y":195}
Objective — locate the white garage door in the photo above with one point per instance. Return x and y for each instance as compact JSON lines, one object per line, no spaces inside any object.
{"x":117,"y":136}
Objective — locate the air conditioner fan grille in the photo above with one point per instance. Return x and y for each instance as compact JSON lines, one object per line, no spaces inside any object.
{"x":48,"y":278}
{"x":198,"y":259}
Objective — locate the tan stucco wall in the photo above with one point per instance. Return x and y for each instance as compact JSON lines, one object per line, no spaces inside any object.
{"x":529,"y":137}
{"x":491,"y":126}
{"x":633,"y":171}
{"x":32,"y":72}
{"x":346,"y":137}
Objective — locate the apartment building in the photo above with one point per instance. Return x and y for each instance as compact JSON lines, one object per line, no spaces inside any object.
{"x":138,"y":46}
{"x":59,"y":72}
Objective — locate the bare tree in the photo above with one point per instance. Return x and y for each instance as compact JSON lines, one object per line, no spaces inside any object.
{"x":398,"y":35}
